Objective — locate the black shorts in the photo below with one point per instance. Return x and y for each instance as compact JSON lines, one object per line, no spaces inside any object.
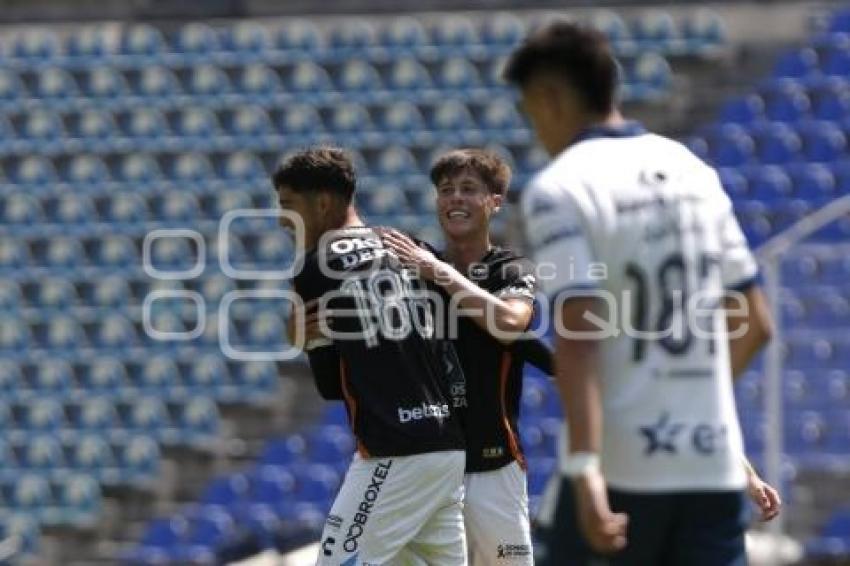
{"x":669,"y":529}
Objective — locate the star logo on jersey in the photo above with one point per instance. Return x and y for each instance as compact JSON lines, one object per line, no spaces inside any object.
{"x":661,"y":436}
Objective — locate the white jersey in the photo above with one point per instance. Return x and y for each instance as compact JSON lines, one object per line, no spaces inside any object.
{"x":640,"y":220}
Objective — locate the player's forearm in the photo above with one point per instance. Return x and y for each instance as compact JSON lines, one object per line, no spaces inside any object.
{"x":502,"y":319}
{"x":750,"y":328}
{"x":578,"y":385}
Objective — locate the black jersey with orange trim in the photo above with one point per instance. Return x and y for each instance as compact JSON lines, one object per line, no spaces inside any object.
{"x":492,"y":370}
{"x":395,"y":372}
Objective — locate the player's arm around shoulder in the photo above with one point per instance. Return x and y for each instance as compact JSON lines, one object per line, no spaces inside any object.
{"x":504,"y":318}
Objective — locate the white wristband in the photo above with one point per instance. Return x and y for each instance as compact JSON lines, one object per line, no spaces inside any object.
{"x":580,"y":463}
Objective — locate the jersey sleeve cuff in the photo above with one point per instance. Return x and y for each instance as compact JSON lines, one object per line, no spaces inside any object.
{"x":746,"y":283}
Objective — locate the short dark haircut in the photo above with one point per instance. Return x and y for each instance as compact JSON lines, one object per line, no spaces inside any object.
{"x":318,"y":169}
{"x":488,"y":165}
{"x":580,"y":55}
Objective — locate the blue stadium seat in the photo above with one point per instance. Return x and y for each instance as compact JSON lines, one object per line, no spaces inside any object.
{"x":142,"y":40}
{"x":191,"y":168}
{"x":64,"y":252}
{"x":247,"y":38}
{"x":139,"y":169}
{"x":734,"y":182}
{"x":831,"y":100}
{"x":80,"y":497}
{"x":358,"y":76}
{"x":97,"y":415}
{"x":656,"y":29}
{"x":72,"y":208}
{"x":44,"y":415}
{"x":258,"y":377}
{"x":350,"y":118}
{"x":43,"y":125}
{"x":148,"y":414}
{"x":87,"y":170}
{"x":796,"y":64}
{"x":743,"y":110}
{"x":63,"y":331}
{"x":396,"y":160}
{"x":92,"y":454}
{"x":199,"y":417}
{"x":249,"y":122}
{"x":208,"y":374}
{"x":157,"y":82}
{"x":402,"y":118}
{"x":227,"y":201}
{"x":504,"y":29}
{"x":126,"y":208}
{"x":110,"y":291}
{"x":652,"y":71}
{"x":43,"y":453}
{"x":777,"y":144}
{"x":408,"y":74}
{"x":786,"y":102}
{"x":55,"y":84}
{"x":56,"y":293}
{"x":383,"y":200}
{"x":840,"y":21}
{"x":259,"y":81}
{"x":403,"y":33}
{"x":302,"y":35}
{"x":88,"y":42}
{"x":226,"y":491}
{"x":823,"y":142}
{"x":533,"y":159}
{"x":308,"y":77}
{"x":30,"y":492}
{"x":115,"y":331}
{"x":159,"y":374}
{"x":455,"y":32}
{"x":208,"y":80}
{"x":612,"y":25}
{"x":105,"y":375}
{"x":729,"y":146}
{"x":770,"y":183}
{"x":458,"y":73}
{"x":117,"y":251}
{"x":197,"y":39}
{"x":353,"y":33}
{"x":11,"y":86}
{"x":21,"y":209}
{"x":139,"y":457}
{"x":302,"y":119}
{"x":452,"y":115}
{"x":106,"y":83}
{"x":93,"y":124}
{"x":198,"y":123}
{"x":148,"y":124}
{"x":266,"y":329}
{"x":501,"y":114}
{"x":704,"y":29}
{"x":36,"y":45}
{"x":243,"y":166}
{"x":14,"y":336}
{"x":836,"y":62}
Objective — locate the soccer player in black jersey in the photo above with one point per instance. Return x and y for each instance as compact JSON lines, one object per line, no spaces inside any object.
{"x":401,"y":498}
{"x":492,"y":295}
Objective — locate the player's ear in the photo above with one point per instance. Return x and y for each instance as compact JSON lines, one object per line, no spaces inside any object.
{"x":497,"y":202}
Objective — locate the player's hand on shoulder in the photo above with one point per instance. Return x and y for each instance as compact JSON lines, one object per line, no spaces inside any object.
{"x":763,"y":495}
{"x":410,"y":253}
{"x":604,"y":530}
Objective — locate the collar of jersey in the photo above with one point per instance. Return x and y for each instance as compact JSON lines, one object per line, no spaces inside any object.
{"x":627,"y":129}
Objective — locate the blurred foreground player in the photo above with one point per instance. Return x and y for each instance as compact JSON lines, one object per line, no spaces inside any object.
{"x":651,"y":270}
{"x":492,"y":290}
{"x":400,"y":502}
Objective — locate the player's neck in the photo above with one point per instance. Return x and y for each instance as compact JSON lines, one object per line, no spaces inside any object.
{"x":352,"y":219}
{"x":463,"y":252}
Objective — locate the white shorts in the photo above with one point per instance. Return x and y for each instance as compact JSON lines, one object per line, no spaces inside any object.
{"x":495,"y":514}
{"x":398,"y":511}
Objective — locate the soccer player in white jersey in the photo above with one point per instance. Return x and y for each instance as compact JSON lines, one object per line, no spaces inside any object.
{"x":650,"y":269}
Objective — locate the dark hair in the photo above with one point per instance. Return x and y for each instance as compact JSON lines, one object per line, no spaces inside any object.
{"x":580,"y":55}
{"x":487,"y":164}
{"x":317,"y":169}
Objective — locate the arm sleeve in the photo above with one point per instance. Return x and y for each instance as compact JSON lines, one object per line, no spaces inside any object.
{"x":556,"y":229}
{"x":537,"y":353}
{"x":520,"y":280}
{"x":738,"y":266}
{"x":324,"y":362}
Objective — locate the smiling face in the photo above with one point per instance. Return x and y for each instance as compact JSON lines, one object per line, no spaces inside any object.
{"x":465,"y":204}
